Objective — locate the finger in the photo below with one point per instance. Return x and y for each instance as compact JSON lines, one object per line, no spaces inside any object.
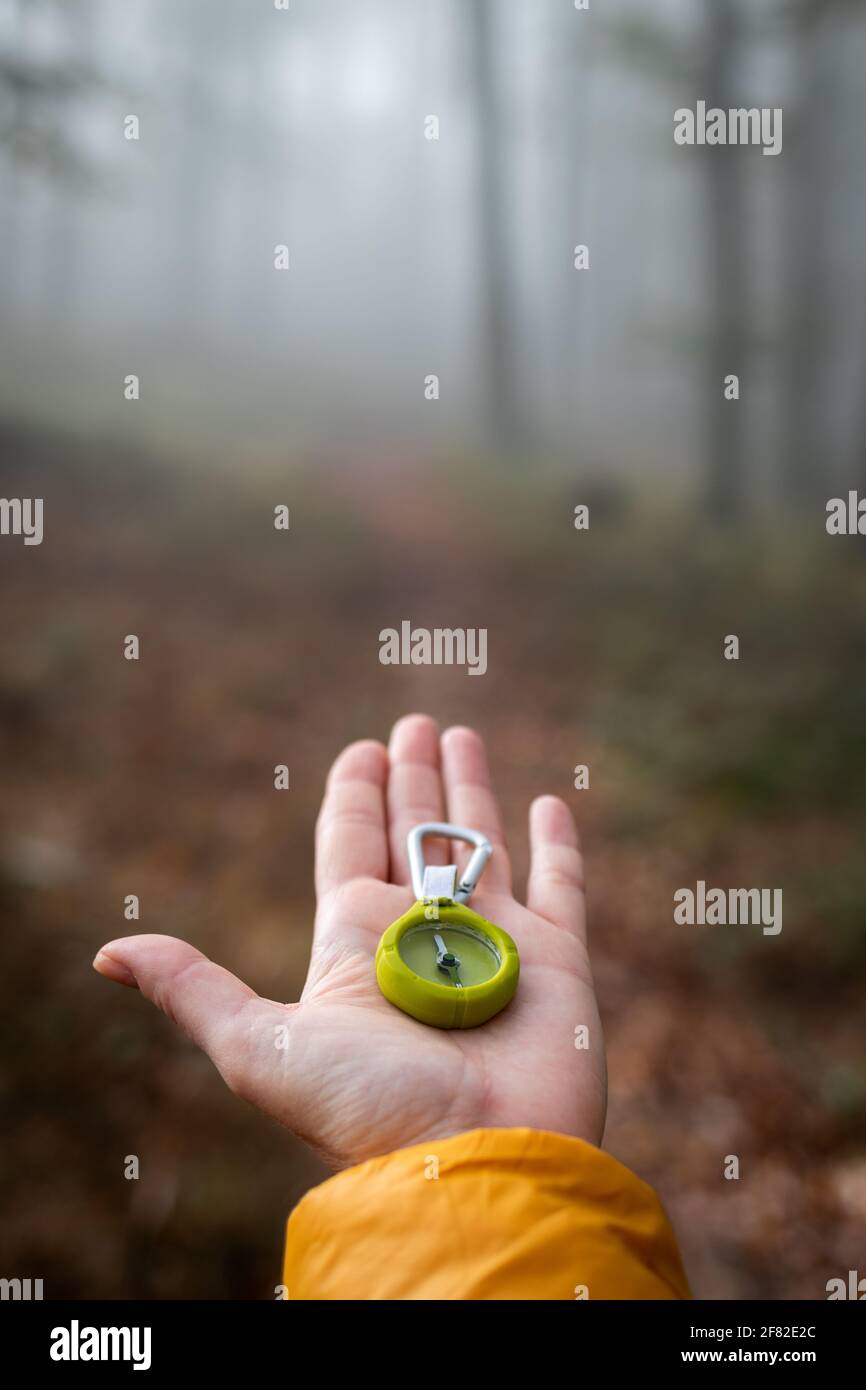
{"x":414,"y":790}
{"x":350,"y":833}
{"x":472,"y":801}
{"x":210,"y":1005}
{"x":555,"y":887}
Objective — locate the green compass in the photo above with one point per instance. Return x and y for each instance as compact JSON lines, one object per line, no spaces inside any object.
{"x":441,"y":962}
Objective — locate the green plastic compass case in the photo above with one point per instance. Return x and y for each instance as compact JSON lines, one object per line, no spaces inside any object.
{"x":440,"y":962}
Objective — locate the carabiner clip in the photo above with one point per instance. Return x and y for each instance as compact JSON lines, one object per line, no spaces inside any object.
{"x":438,"y":882}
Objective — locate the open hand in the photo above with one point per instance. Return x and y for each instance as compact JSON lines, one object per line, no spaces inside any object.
{"x":344,"y":1069}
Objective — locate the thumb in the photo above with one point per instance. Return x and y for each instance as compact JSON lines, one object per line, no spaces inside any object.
{"x":209,"y":1004}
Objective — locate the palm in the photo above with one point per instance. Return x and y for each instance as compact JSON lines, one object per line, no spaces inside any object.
{"x":394,"y":1082}
{"x":343,"y":1068}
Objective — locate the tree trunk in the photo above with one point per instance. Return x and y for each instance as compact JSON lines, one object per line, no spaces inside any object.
{"x":501,"y":391}
{"x":808,"y":140}
{"x":725,"y":498}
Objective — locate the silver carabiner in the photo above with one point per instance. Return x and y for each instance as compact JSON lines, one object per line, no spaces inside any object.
{"x":436,"y":881}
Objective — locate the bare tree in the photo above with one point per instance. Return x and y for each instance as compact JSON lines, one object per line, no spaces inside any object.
{"x":709,"y":70}
{"x":810,"y":140}
{"x":499,"y":374}
{"x":727,"y":264}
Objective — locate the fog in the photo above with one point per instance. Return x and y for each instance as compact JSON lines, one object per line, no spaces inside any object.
{"x":411,"y":256}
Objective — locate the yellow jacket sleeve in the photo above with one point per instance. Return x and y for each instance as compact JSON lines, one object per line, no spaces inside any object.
{"x":491,"y":1214}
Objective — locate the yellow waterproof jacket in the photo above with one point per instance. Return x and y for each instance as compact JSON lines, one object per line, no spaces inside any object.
{"x":494,"y":1213}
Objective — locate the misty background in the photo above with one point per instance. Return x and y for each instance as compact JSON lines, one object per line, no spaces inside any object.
{"x":305,"y":388}
{"x":411,"y":256}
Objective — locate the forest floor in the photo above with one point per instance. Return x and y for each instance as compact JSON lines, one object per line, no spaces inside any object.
{"x":260,"y":647}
